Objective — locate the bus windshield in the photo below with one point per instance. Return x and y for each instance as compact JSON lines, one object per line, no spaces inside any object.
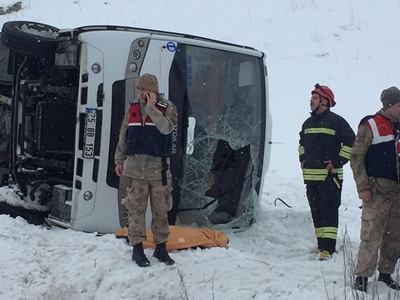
{"x":226,"y":129}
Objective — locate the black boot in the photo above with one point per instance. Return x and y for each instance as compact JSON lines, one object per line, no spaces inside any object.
{"x":361,"y":284}
{"x":387,"y":278}
{"x":162,"y":254}
{"x":139,"y":257}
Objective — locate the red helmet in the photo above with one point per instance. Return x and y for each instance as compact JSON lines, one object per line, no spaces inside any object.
{"x":325,"y":92}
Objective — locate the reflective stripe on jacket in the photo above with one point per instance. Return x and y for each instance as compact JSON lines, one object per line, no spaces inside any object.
{"x":325,"y":136}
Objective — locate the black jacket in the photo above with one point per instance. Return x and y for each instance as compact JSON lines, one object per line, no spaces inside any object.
{"x":324,"y":136}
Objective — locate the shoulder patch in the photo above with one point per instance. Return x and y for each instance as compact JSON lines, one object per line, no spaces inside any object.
{"x":162,"y":104}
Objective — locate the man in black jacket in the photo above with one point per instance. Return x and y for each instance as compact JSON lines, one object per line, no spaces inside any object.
{"x":325,"y":145}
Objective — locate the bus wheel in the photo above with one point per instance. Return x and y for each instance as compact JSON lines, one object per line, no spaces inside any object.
{"x":30,"y":38}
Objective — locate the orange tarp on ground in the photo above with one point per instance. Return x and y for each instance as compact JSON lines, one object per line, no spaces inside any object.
{"x":184,"y":237}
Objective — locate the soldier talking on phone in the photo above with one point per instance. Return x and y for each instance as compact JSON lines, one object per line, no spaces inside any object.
{"x":142,"y":154}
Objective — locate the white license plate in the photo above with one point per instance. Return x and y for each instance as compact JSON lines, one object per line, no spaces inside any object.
{"x":90,"y":133}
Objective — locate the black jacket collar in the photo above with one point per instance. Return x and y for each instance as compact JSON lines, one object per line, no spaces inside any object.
{"x":321,"y":115}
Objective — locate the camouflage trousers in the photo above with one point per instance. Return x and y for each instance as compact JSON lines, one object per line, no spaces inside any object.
{"x":137,"y":198}
{"x":380,"y":229}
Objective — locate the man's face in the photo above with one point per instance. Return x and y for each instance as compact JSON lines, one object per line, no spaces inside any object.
{"x":314,"y":101}
{"x":394,"y":111}
{"x":142,"y":93}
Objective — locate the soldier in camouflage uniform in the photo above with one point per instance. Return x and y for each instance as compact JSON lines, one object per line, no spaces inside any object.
{"x":374,"y":162}
{"x":142,"y":154}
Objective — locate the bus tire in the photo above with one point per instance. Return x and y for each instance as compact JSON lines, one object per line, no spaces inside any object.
{"x":30,"y":38}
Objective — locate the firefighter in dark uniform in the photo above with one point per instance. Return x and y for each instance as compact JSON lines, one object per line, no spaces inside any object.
{"x":324,"y":147}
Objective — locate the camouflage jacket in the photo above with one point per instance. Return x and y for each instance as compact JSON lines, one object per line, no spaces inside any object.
{"x":143,"y":166}
{"x":358,"y":152}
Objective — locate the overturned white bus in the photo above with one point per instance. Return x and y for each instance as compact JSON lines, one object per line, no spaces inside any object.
{"x":63,"y":97}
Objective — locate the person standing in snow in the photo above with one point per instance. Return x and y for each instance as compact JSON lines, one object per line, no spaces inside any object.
{"x":324,"y":147}
{"x":142,"y":154}
{"x":374,"y":161}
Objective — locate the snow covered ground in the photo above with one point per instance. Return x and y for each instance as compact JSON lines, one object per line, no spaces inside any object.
{"x":352,"y":46}
{"x":269,"y":261}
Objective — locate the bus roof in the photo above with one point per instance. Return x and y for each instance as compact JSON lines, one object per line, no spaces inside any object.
{"x":78,"y":30}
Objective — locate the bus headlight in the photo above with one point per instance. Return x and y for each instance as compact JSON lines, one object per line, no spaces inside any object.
{"x":132,"y":67}
{"x":87,"y":195}
{"x":136,"y":54}
{"x":96,"y":68}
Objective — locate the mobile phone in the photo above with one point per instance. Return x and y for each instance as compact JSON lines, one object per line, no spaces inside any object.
{"x":147,"y":97}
